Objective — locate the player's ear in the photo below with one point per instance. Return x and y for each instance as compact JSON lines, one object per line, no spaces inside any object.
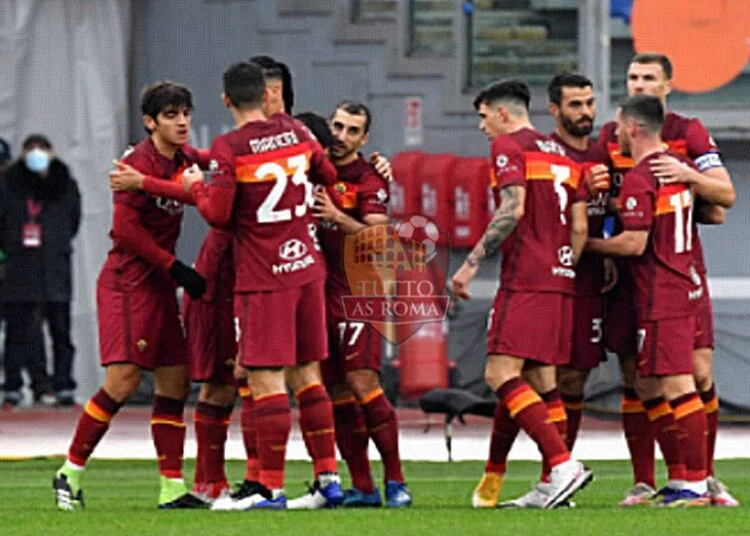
{"x":365,"y":139}
{"x":149,"y":122}
{"x":225,"y":100}
{"x":554,"y":110}
{"x":668,"y":87}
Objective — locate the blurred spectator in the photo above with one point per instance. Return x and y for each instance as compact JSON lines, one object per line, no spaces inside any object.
{"x":39,"y":216}
{"x":4,"y":156}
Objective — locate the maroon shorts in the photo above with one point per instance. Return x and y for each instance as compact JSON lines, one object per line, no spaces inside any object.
{"x":531,"y":325}
{"x":704,"y":322}
{"x":141,"y":327}
{"x":211,"y":339}
{"x":351,"y":346}
{"x":282,"y":328}
{"x":620,"y":322}
{"x":588,"y":333}
{"x":666,"y":347}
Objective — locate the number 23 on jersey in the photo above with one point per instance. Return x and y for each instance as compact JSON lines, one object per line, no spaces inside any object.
{"x":285,"y":172}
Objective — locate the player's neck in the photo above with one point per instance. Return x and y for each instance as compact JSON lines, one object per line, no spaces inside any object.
{"x":519,"y":124}
{"x":348,"y":159}
{"x":243,"y":117}
{"x":579,"y":143}
{"x":163,"y":147}
{"x":647,"y":148}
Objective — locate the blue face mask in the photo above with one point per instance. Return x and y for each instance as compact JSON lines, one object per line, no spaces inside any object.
{"x":37,"y":160}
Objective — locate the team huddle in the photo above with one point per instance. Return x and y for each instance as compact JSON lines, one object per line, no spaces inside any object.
{"x":600,"y":249}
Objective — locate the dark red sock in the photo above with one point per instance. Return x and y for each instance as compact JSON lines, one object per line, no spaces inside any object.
{"x":557,"y":416}
{"x":574,"y":411}
{"x":667,"y":434}
{"x":639,"y":437}
{"x":272,"y":415}
{"x":690,"y":417}
{"x":504,"y":432}
{"x":352,"y":440}
{"x":528,"y":410}
{"x":711,"y":405}
{"x":316,"y":422}
{"x":168,"y":433}
{"x":200,"y":440}
{"x":382,"y":426}
{"x":214,"y":421}
{"x":92,"y":425}
{"x":247,"y":423}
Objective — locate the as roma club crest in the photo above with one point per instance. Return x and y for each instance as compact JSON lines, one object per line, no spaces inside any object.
{"x":397,"y":277}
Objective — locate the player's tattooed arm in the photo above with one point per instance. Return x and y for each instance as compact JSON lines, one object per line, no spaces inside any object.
{"x":507,"y":216}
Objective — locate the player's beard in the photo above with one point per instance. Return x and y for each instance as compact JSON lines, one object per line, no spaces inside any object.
{"x":574,"y":129}
{"x":341,"y":152}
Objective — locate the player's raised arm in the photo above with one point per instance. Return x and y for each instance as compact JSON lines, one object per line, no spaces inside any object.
{"x":215,"y":201}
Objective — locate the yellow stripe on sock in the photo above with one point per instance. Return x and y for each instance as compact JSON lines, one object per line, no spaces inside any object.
{"x":685,"y":409}
{"x":96,"y":413}
{"x":169,"y":422}
{"x":522,"y":401}
{"x":304,"y":388}
{"x":372,"y":395}
{"x":345,"y":401}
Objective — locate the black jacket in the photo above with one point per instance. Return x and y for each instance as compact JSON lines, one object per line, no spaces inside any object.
{"x":44,"y":273}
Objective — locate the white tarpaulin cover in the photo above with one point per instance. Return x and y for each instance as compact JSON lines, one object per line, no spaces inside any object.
{"x":64,"y":73}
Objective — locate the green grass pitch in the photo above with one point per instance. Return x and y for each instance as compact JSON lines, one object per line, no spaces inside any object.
{"x":121,"y":499}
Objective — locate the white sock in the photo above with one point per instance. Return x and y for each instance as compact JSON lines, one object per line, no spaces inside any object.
{"x":73,"y":466}
{"x":700,"y":487}
{"x":327,"y":478}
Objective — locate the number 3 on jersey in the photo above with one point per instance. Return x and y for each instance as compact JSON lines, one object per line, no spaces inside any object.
{"x":296,"y":165}
{"x":561,"y":173}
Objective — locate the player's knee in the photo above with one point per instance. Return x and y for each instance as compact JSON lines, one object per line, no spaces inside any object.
{"x":217,"y":395}
{"x":571,"y":382}
{"x":121,"y":382}
{"x":628,"y":370}
{"x":495,"y":376}
{"x":362,"y":382}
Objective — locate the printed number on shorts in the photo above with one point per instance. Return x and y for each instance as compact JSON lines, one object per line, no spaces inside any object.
{"x":683,"y":231}
{"x":236,"y":329}
{"x":596,"y":330}
{"x":561,"y":173}
{"x":640,"y":339}
{"x":267,"y":212}
{"x":356,"y":330}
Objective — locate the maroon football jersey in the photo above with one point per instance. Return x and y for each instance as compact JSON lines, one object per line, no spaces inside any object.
{"x":682,"y":135}
{"x":359,"y":191}
{"x":272,"y":164}
{"x":537,"y":255}
{"x":214,"y":262}
{"x":590,"y":267}
{"x":161,"y":217}
{"x":665,"y":282}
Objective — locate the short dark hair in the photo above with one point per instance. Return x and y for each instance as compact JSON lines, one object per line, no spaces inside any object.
{"x":355,"y":108}
{"x":318,"y":125}
{"x":244,"y":84}
{"x":36,"y":140}
{"x":646,"y":109}
{"x":556,"y":85}
{"x":508,"y":90}
{"x":655,"y":57}
{"x":161,"y":96}
{"x":277,"y":70}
